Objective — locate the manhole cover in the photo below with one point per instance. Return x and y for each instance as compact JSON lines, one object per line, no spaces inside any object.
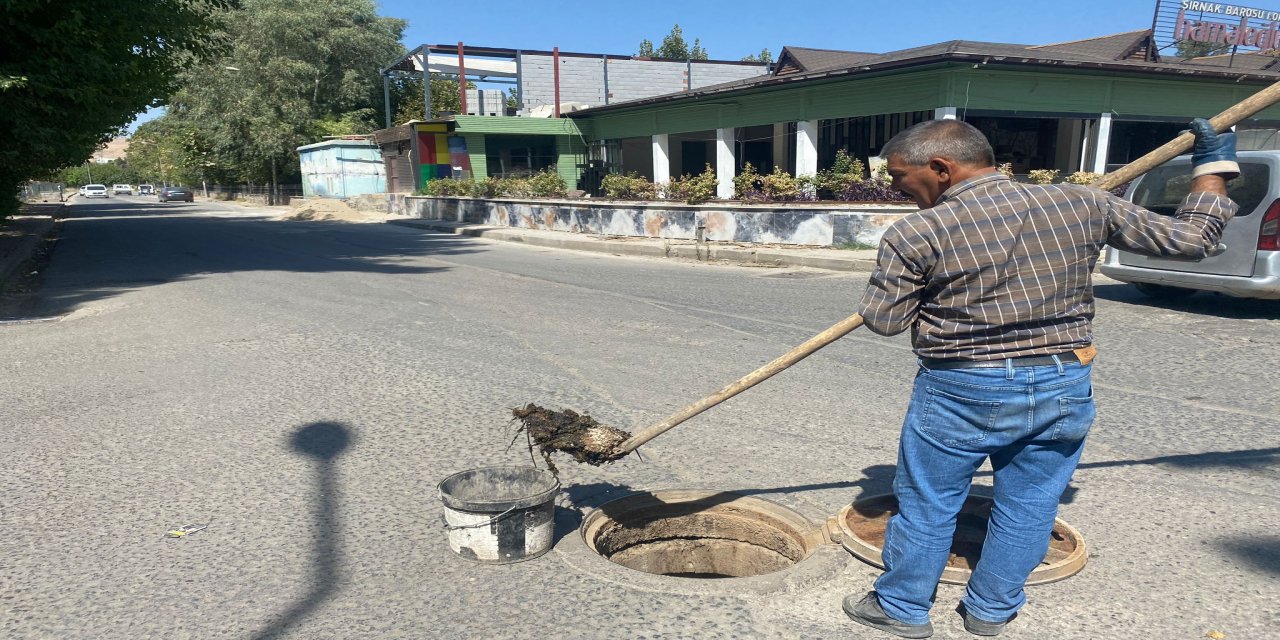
{"x":862,"y":525}
{"x":700,"y":534}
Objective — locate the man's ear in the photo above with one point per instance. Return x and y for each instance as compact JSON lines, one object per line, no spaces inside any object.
{"x":940,"y":168}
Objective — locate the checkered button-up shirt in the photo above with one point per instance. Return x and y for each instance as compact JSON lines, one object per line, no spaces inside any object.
{"x":999,"y":269}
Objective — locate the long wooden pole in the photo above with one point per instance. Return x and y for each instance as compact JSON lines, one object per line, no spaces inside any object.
{"x":752,"y":379}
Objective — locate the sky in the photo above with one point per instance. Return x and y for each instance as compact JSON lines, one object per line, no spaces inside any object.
{"x":729,"y":31}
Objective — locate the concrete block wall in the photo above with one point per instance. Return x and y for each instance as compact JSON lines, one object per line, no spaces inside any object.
{"x":493,"y":101}
{"x":705,"y":74}
{"x":634,"y":79}
{"x":582,"y":78}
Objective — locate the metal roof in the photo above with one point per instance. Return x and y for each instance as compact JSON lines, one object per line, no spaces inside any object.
{"x":411,"y":61}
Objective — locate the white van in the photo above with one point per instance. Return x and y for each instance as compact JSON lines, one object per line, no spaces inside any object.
{"x":1246,"y":262}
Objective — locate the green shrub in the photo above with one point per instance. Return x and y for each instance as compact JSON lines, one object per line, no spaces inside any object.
{"x":513,"y":188}
{"x":628,"y":187}
{"x":780,"y":186}
{"x":1042,"y":176}
{"x":1006,"y":169}
{"x":1082,"y":177}
{"x":844,"y":173}
{"x":449,"y":187}
{"x":488,"y":188}
{"x":692,"y":189}
{"x":746,"y":185}
{"x":547,"y":184}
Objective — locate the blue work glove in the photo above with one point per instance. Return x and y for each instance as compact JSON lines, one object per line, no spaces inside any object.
{"x":1213,"y":153}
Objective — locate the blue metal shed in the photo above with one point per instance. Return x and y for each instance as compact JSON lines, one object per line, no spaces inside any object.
{"x":341,"y":168}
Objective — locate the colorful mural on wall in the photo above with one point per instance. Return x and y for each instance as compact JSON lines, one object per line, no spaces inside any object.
{"x":440,"y":155}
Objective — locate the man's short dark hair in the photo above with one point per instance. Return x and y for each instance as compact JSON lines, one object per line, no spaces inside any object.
{"x":951,"y":139}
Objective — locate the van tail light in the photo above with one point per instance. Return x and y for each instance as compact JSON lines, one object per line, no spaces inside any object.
{"x":1269,"y":234}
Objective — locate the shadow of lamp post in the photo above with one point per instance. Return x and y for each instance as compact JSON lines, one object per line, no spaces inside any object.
{"x":323,"y":442}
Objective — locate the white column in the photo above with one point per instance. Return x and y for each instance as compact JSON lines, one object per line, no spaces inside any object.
{"x":726,"y":166}
{"x":780,"y":145}
{"x":661,"y":159}
{"x":944,"y":113}
{"x":806,"y":148}
{"x":1086,"y":137}
{"x":1102,"y":143}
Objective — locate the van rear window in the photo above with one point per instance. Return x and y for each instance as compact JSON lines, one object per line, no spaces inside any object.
{"x":1163,"y":188}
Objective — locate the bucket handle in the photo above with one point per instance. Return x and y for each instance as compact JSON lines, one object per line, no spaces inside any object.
{"x":491,"y":522}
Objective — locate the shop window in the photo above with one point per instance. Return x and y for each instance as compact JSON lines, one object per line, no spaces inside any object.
{"x":1025,"y":143}
{"x":1132,"y":140}
{"x":864,"y":136}
{"x":519,"y":156}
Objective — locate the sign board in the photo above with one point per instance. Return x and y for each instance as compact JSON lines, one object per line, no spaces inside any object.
{"x":1215,"y":27}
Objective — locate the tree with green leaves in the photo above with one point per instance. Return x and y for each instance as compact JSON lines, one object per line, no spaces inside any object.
{"x":170,"y":151}
{"x":1192,"y":49}
{"x":765,"y":56}
{"x":108,"y":173}
{"x":407,"y":95}
{"x":295,"y":70}
{"x":674,"y":47}
{"x":73,"y":73}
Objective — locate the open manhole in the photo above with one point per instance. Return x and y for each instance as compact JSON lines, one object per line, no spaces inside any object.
{"x":700,"y":534}
{"x":863,"y":523}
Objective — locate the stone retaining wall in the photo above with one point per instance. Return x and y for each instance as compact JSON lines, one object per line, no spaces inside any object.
{"x":815,"y":224}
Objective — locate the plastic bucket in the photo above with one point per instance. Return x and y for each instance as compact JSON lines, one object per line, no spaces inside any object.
{"x":500,"y":515}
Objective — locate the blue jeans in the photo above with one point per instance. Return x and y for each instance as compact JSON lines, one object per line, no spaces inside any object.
{"x":1031,"y":422}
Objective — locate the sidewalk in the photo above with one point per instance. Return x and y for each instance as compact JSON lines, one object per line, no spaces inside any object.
{"x":751,"y":254}
{"x":21,"y":235}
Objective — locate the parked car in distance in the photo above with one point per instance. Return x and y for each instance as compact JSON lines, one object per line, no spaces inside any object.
{"x":1246,"y":262}
{"x":122,"y":189}
{"x":82,"y":189}
{"x":146,"y":190}
{"x":176,"y":193}
{"x":95,"y":191}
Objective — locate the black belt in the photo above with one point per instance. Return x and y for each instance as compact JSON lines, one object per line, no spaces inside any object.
{"x":1030,"y":361}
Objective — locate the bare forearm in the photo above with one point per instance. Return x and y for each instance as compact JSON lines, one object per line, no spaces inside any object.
{"x":1211,"y":183}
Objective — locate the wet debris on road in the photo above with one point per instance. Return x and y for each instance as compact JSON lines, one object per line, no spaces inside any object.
{"x":569,"y":432}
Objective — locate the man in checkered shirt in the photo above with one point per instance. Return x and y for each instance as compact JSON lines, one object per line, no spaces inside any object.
{"x":992,"y":277}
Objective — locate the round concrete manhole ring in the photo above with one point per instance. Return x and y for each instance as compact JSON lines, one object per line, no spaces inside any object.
{"x":700,"y":534}
{"x":862,"y":526}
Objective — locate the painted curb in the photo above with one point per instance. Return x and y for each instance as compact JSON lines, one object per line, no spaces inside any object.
{"x":653,"y":248}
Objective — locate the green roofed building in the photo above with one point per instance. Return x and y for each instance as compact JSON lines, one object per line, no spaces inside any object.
{"x":1088,"y":105}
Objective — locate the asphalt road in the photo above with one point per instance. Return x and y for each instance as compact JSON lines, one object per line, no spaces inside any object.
{"x":301,"y":387}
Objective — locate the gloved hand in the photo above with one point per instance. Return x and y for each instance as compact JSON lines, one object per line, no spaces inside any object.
{"x":1213,"y":153}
